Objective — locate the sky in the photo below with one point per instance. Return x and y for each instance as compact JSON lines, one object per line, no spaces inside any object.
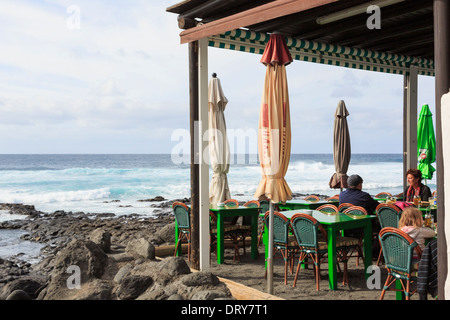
{"x":98,"y":76}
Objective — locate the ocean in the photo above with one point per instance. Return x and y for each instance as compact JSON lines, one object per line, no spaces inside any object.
{"x":98,"y":183}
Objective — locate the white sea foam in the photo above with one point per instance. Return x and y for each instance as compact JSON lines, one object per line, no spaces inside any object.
{"x":90,"y":183}
{"x":6,"y":216}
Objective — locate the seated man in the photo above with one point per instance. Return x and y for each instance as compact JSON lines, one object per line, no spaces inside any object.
{"x":356,"y":196}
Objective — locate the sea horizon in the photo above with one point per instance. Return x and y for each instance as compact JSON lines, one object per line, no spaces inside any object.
{"x":115,"y":183}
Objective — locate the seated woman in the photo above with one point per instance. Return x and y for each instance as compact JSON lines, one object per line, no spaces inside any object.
{"x":416,"y":187}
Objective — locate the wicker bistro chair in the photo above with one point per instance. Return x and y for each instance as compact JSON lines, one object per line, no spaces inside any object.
{"x":312,"y":198}
{"x":388,"y":216}
{"x":283,"y":240}
{"x":344,"y":206}
{"x":312,"y":241}
{"x":183,"y":220}
{"x":252,"y":204}
{"x":398,"y":250}
{"x":328,"y":208}
{"x":245,"y":229}
{"x":353,"y":212}
{"x":232,"y":203}
{"x":383,"y":195}
{"x":333,"y":198}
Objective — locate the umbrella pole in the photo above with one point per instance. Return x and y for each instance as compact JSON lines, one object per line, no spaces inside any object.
{"x":270,"y":252}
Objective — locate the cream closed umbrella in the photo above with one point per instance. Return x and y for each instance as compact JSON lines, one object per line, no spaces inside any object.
{"x":274,"y":134}
{"x":219,"y":149}
{"x":341,"y":147}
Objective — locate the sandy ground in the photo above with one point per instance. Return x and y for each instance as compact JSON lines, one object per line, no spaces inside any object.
{"x":250,"y":272}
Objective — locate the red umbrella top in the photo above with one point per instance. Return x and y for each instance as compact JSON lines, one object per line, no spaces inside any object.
{"x":276,"y":51}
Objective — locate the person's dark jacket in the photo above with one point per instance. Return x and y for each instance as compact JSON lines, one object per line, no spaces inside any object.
{"x":427,"y":276}
{"x":359,"y":198}
{"x":424,"y":193}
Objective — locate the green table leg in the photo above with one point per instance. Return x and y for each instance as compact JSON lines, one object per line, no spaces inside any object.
{"x":254,"y":237}
{"x":178,"y":253}
{"x":367,"y":248}
{"x":332,"y":260}
{"x":399,"y":295}
{"x":220,"y":240}
{"x":265,"y":242}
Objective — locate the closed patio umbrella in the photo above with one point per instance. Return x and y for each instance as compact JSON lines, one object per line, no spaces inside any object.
{"x":274,"y":134}
{"x":341,"y":147}
{"x":219,"y":149}
{"x":426,"y":142}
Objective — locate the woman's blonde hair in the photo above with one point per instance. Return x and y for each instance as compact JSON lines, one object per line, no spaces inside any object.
{"x":411,"y":216}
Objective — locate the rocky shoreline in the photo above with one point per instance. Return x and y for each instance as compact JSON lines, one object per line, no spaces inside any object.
{"x":101,"y":257}
{"x":114,"y":256}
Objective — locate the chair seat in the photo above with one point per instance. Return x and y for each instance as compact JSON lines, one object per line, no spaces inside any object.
{"x":244,"y":228}
{"x":226,"y":228}
{"x":347,"y":242}
{"x":292,"y":242}
{"x":404,"y":275}
{"x":341,"y":242}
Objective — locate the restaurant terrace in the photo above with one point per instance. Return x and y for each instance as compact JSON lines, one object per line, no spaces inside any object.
{"x":413,"y":41}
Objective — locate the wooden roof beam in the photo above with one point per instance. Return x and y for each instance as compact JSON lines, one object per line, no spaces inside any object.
{"x":269,"y":11}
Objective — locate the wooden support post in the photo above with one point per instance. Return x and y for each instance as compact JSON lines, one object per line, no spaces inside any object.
{"x":405,"y":130}
{"x":193,"y":120}
{"x":441,"y":10}
{"x":411,"y":119}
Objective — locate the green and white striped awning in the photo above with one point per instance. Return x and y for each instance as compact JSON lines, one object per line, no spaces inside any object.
{"x":304,"y":50}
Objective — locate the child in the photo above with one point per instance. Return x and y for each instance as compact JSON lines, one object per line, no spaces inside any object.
{"x":411,"y":222}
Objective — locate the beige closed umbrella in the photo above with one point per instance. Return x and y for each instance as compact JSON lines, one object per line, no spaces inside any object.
{"x":274,"y":135}
{"x":219,"y":149}
{"x":341,"y":147}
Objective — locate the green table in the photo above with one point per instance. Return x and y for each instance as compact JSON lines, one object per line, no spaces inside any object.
{"x":235,"y":212}
{"x":432,"y":209}
{"x":384,"y":199}
{"x":303,"y":204}
{"x":332,"y":224}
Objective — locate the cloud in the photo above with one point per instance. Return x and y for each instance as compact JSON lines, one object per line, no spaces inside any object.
{"x":121,"y":74}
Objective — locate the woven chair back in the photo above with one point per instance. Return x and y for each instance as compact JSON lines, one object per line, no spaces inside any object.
{"x":383,"y":195}
{"x":182,"y":216}
{"x":344,"y":206}
{"x":328,"y":208}
{"x":307,"y":230}
{"x":281,"y":227}
{"x":355,"y":211}
{"x":388,"y":215}
{"x":312,"y":198}
{"x":398,"y":249}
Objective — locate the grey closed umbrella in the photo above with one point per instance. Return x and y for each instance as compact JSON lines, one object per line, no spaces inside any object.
{"x":341,"y":147}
